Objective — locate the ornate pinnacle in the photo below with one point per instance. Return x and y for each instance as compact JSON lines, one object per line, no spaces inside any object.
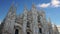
{"x":12,"y":5}
{"x":55,"y":27}
{"x":49,"y":20}
{"x":25,"y":7}
{"x":12,"y":8}
{"x":33,"y":5}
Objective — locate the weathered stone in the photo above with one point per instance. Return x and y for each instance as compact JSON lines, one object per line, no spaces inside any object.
{"x":30,"y":22}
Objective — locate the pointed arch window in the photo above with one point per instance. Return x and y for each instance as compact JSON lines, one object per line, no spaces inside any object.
{"x":28,"y":24}
{"x":39,"y":19}
{"x":40,"y":30}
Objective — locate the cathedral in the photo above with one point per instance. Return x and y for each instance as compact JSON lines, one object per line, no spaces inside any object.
{"x":29,"y":22}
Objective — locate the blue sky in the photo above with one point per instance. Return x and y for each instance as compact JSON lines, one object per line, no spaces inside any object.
{"x":51,"y":8}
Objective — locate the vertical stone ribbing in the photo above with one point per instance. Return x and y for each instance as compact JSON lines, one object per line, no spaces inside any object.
{"x":43,"y":22}
{"x":24,"y":20}
{"x":50,"y":30}
{"x":35,"y":23}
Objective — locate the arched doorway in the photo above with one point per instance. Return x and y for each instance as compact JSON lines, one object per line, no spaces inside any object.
{"x":28,"y":32}
{"x":16,"y":31}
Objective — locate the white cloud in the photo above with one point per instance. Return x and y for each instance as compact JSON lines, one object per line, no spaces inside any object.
{"x":43,"y":5}
{"x":53,"y":3}
{"x":58,"y":25}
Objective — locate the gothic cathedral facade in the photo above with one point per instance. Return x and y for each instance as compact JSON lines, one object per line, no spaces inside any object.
{"x":30,"y":22}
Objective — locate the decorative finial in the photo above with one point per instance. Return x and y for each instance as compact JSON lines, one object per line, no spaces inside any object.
{"x":33,"y":5}
{"x":12,"y":4}
{"x":13,"y":8}
{"x":55,"y":27}
{"x":16,"y":5}
{"x":49,"y":20}
{"x":25,"y":7}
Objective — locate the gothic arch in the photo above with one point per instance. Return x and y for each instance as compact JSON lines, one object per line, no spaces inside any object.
{"x":16,"y":31}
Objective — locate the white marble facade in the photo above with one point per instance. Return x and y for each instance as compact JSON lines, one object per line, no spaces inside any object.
{"x":29,"y":22}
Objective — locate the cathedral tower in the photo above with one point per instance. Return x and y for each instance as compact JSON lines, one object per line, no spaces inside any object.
{"x":9,"y":21}
{"x":24,"y":20}
{"x":34,"y":20}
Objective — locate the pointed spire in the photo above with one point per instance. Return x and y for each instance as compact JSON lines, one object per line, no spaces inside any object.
{"x":55,"y":28}
{"x":43,"y":13}
{"x":49,"y":20}
{"x":12,"y":6}
{"x":25,"y":7}
{"x":33,"y":6}
{"x":12,"y":10}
